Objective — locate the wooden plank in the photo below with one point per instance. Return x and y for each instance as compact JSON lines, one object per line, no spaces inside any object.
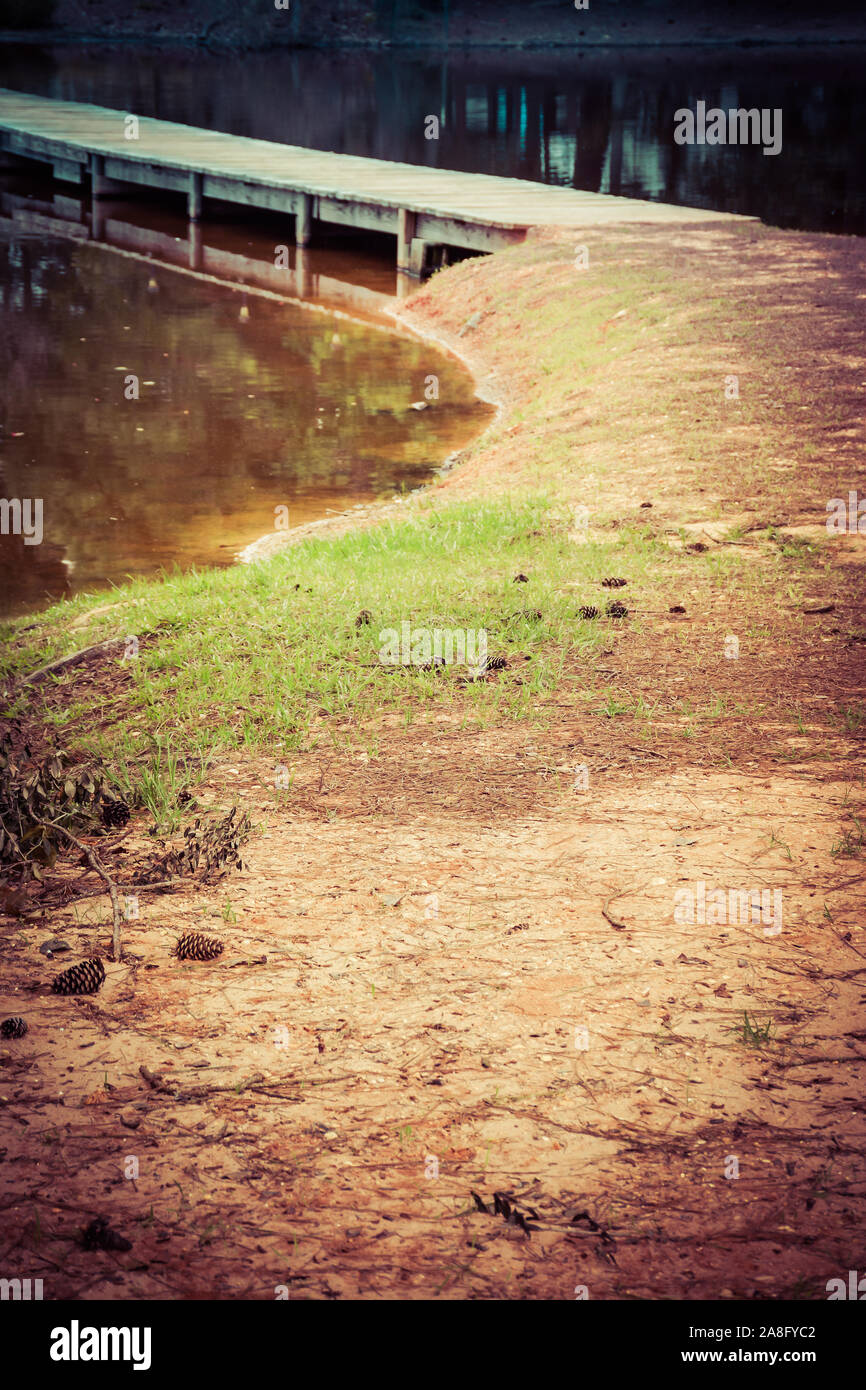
{"x":68,"y":170}
{"x":370,"y":217}
{"x":249,"y":193}
{"x":477,"y":236}
{"x":126,"y":171}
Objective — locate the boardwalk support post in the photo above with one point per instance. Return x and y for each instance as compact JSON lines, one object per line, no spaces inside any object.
{"x":420,"y":253}
{"x":97,"y":182}
{"x":405,"y":233}
{"x":304,"y":220}
{"x":100,"y":186}
{"x":194,"y":197}
{"x":97,"y":176}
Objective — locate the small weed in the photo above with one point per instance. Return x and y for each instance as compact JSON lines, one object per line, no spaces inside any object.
{"x":613,"y":707}
{"x":851,"y":844}
{"x":850,"y":717}
{"x":754,"y":1034}
{"x":777,"y":843}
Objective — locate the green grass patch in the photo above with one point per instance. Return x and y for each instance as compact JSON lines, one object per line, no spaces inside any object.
{"x":270,"y":655}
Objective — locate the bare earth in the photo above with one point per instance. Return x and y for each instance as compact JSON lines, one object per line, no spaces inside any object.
{"x":476,"y":963}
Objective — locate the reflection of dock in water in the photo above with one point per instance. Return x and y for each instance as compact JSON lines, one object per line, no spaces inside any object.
{"x":298,"y":278}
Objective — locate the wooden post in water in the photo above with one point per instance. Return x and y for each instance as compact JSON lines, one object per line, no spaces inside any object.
{"x":97,"y":213}
{"x":194,"y":198}
{"x":405,"y":234}
{"x":304,"y":220}
{"x":100,"y":186}
{"x":419,"y":254}
{"x":97,"y":176}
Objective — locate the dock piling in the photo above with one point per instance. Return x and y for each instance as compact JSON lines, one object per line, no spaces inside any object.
{"x":194,"y":197}
{"x":405,"y":233}
{"x":100,"y":186}
{"x":304,"y":220}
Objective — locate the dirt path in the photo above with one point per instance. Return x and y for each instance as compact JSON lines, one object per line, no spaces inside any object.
{"x":460,"y":1015}
{"x":466,"y":966}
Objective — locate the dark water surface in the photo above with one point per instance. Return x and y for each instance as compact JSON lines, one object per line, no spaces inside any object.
{"x":597,"y":120}
{"x":245,"y":405}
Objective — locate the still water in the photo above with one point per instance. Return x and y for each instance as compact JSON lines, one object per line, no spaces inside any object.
{"x":245,"y":404}
{"x":163,"y":418}
{"x":591,"y":119}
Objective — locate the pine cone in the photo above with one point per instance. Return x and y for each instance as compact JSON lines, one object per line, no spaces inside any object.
{"x":84,"y":978}
{"x":614,"y":583}
{"x":616,"y":610}
{"x":191,"y":945}
{"x":13,"y":1028}
{"x":100,"y":1236}
{"x":588,"y":611}
{"x":114,"y":812}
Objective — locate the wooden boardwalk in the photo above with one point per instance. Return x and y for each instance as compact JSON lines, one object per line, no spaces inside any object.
{"x":421,"y":206}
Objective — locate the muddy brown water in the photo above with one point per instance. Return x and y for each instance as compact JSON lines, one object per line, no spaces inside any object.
{"x":166,"y":419}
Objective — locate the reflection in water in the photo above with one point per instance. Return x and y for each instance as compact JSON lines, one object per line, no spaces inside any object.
{"x":163,"y":419}
{"x":588,"y":119}
{"x":345,"y":270}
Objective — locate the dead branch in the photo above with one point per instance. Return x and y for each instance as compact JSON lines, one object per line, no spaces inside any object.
{"x":821,"y":1061}
{"x":63,"y":663}
{"x":97,"y":866}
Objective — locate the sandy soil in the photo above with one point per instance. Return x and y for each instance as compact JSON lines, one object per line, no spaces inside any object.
{"x":460,"y":1015}
{"x":455,"y":970}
